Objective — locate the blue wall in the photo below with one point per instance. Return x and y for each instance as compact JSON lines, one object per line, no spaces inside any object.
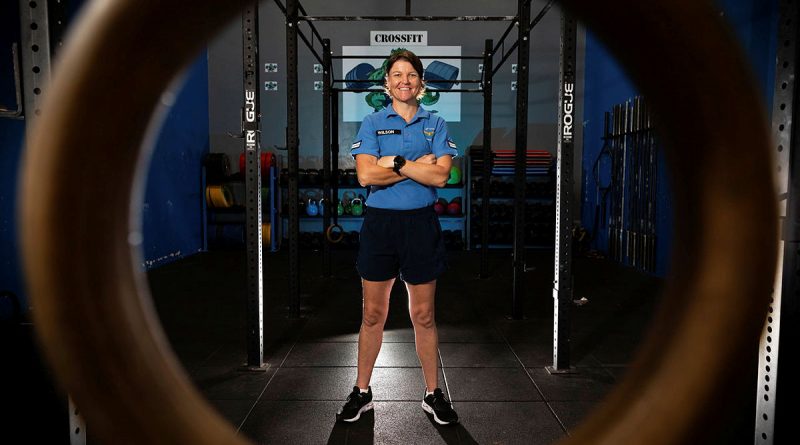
{"x":11,"y":136}
{"x":755,"y":24}
{"x":172,"y":214}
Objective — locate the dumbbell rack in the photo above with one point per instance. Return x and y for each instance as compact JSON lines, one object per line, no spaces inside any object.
{"x":311,"y":230}
{"x":540,"y":200}
{"x":225,"y":226}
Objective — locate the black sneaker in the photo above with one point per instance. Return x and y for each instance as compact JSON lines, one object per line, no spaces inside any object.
{"x":357,"y":403}
{"x":441,"y":409}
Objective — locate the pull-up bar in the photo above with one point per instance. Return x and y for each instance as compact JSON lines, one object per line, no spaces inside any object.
{"x":302,"y":10}
{"x":373,"y":90}
{"x":404,"y":18}
{"x":377,"y":82}
{"x":314,"y":31}
{"x":533,"y":23}
{"x":423,"y":57}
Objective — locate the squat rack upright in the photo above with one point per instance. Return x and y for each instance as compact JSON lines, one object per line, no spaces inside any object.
{"x":562,"y":291}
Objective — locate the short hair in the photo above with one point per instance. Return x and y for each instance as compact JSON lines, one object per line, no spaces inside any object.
{"x":410,"y":57}
{"x":406,"y":55}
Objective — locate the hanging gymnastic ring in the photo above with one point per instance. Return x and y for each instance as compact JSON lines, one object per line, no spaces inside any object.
{"x":95,"y":318}
{"x":334,"y":237}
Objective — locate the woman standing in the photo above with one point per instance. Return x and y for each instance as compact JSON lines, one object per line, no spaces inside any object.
{"x":403,"y":153}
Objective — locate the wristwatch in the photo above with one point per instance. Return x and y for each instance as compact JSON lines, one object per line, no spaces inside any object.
{"x":399,"y":162}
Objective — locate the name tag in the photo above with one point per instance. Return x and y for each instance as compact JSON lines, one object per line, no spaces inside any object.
{"x":385,"y":132}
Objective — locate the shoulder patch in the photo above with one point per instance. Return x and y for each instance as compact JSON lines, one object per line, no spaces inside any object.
{"x":451,"y":144}
{"x":355,"y":145}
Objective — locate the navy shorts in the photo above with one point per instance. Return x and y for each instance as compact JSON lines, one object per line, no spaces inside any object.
{"x":408,"y":242}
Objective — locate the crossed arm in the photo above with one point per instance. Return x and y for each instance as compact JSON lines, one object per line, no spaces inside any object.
{"x":427,"y":170}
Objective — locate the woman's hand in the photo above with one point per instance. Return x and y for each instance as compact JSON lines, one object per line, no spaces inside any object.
{"x":386,"y":162}
{"x":426,"y":159}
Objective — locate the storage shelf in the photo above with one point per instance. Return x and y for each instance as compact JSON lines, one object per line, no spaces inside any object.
{"x":355,"y":187}
{"x":510,"y":246}
{"x":528,"y":199}
{"x":350,"y":217}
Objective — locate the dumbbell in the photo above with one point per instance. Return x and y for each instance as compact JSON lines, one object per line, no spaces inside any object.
{"x":440,"y":206}
{"x":454,"y":208}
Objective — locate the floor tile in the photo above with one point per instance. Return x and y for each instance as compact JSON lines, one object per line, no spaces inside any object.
{"x":322,"y":354}
{"x":221,"y":383}
{"x":490,"y":384}
{"x":317,"y":383}
{"x":489,"y":355}
{"x":234,"y":411}
{"x":293,"y":422}
{"x":582,"y":384}
{"x":400,"y":384}
{"x":508,"y":423}
{"x":572,"y":413}
{"x":397,"y":354}
{"x":539,"y":355}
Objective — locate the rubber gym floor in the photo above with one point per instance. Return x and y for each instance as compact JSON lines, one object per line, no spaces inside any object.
{"x":492,"y":368}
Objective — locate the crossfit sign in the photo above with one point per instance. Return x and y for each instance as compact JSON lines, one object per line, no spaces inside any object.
{"x":569,"y":105}
{"x":250,"y":118}
{"x":394,"y":38}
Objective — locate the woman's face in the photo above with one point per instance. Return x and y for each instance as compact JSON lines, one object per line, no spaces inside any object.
{"x":403,"y":82}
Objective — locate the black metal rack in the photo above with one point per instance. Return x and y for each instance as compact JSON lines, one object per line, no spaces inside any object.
{"x":330,"y":120}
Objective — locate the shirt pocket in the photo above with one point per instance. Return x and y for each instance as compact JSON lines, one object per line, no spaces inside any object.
{"x":390,"y":142}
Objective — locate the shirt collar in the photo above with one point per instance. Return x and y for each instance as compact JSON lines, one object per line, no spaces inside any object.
{"x":421,"y":113}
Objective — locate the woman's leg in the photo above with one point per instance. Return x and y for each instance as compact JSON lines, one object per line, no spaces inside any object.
{"x":421,"y":309}
{"x":373,"y":317}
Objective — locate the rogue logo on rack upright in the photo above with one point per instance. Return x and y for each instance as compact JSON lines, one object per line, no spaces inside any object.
{"x":569,"y":105}
{"x":250,"y":118}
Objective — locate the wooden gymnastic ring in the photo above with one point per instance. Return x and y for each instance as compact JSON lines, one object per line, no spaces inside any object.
{"x":94,"y":314}
{"x":334,"y":233}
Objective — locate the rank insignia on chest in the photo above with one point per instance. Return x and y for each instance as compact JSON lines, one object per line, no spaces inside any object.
{"x":428,"y":132}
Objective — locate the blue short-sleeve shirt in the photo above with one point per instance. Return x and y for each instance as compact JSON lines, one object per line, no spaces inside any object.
{"x":386,"y":133}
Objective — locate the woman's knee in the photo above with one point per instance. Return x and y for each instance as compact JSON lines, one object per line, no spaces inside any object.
{"x":423,"y":317}
{"x":374,"y":316}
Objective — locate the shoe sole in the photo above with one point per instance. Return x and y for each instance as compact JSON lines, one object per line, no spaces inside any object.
{"x":429,"y":410}
{"x":363,"y":409}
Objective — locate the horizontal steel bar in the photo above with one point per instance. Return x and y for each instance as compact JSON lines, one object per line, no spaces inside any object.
{"x":405,"y":18}
{"x":368,"y":90}
{"x":432,"y":81}
{"x":423,"y":57}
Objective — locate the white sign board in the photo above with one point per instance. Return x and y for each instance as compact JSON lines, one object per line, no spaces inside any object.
{"x":439,"y":75}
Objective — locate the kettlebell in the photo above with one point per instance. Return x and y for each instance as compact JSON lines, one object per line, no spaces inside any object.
{"x":348,"y":197}
{"x":311,"y":208}
{"x":339,"y":208}
{"x":321,"y":207}
{"x":455,"y":175}
{"x":357,"y":207}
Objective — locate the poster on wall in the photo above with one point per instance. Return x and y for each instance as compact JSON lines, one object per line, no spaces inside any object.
{"x":439,"y":74}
